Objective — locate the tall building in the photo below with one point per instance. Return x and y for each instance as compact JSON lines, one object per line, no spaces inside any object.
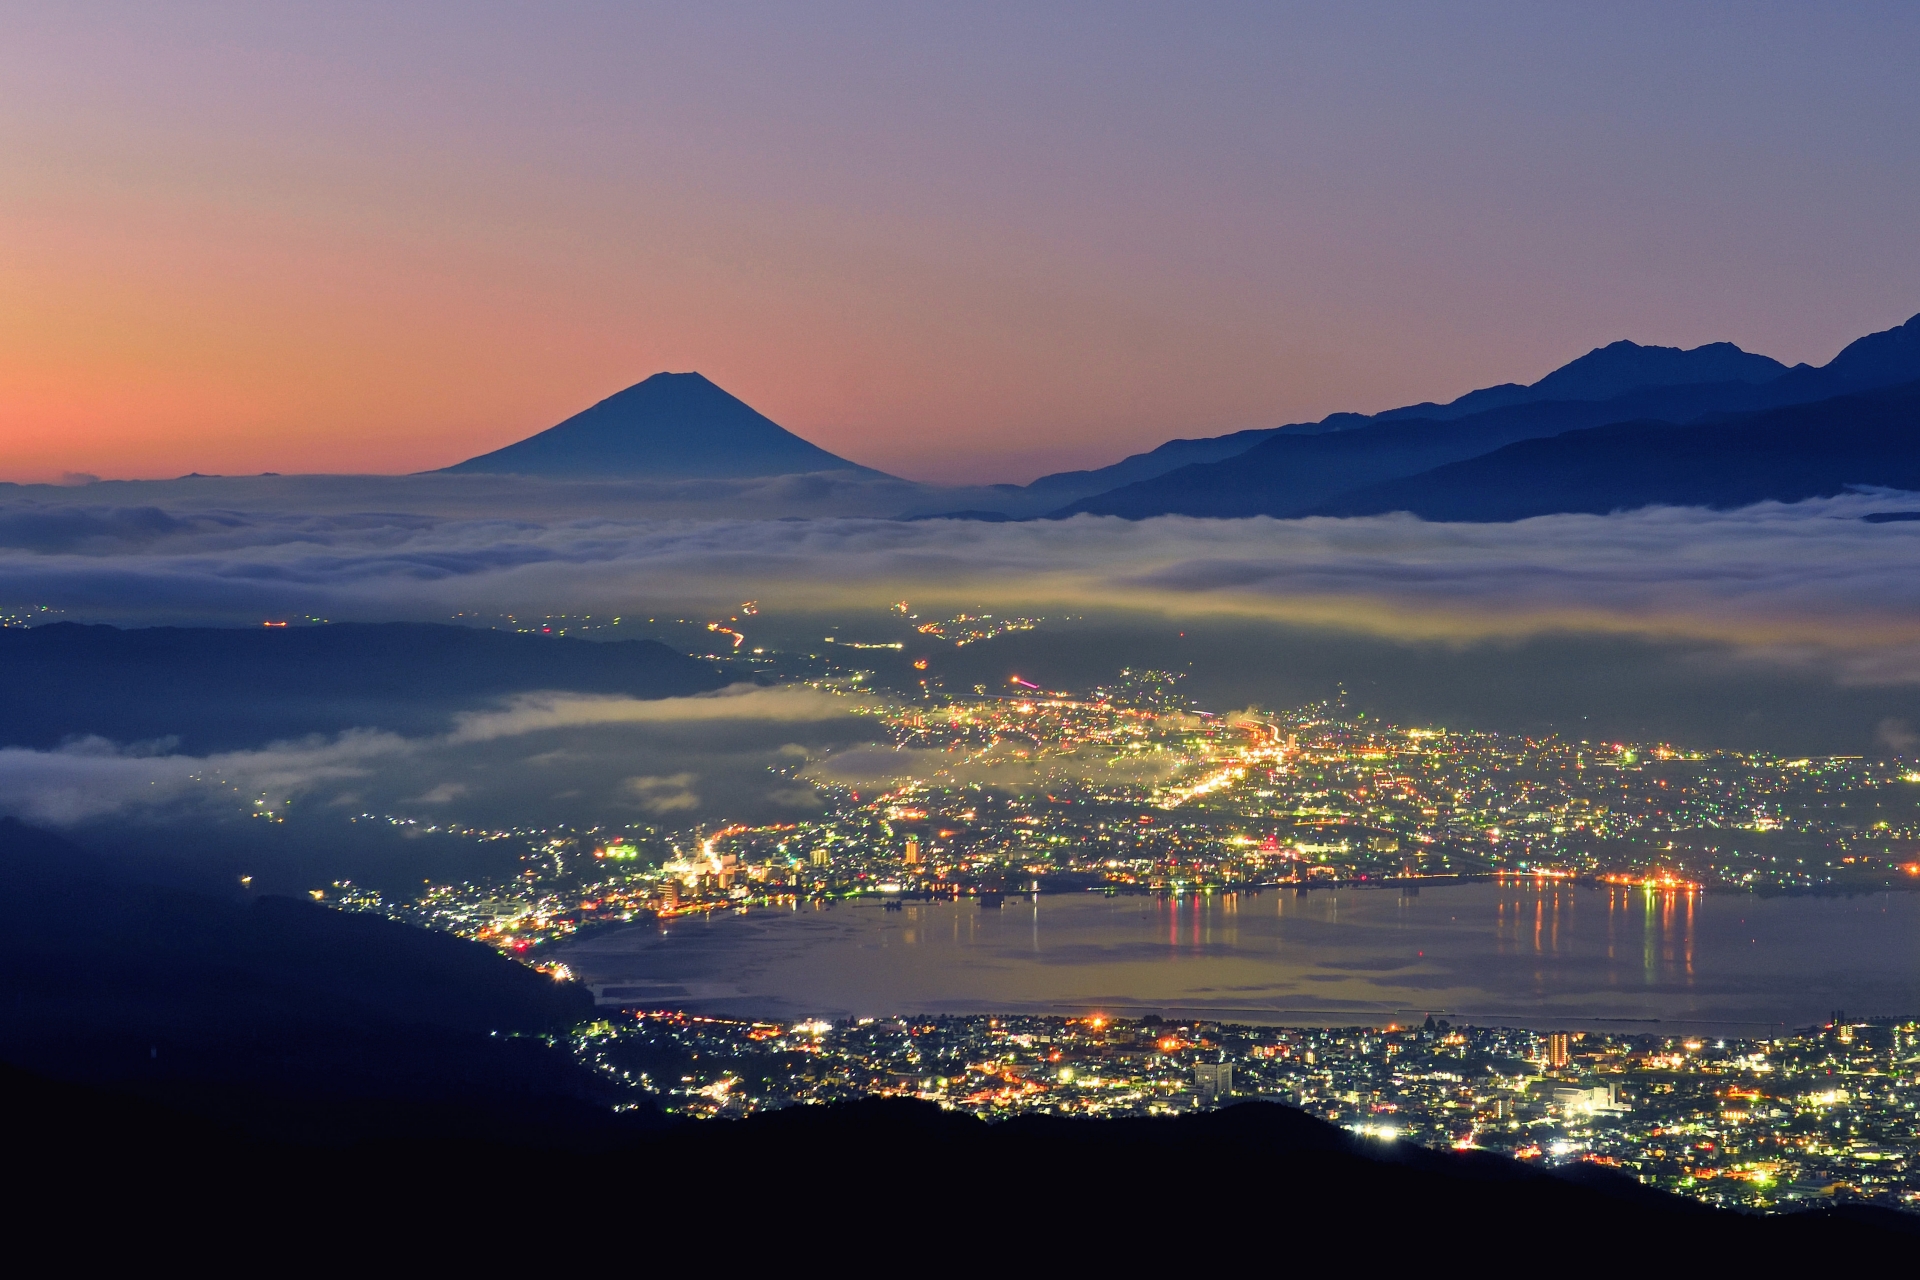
{"x":1599,"y":1097}
{"x":913,"y":853}
{"x":1557,"y":1055}
{"x":1213,"y":1080}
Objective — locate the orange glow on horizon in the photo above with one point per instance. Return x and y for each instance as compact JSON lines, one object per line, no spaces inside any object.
{"x":179,"y":331}
{"x":276,"y":240}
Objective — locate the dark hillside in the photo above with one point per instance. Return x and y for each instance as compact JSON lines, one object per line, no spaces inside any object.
{"x":274,"y":1015}
{"x":220,"y":688}
{"x":180,"y":1074}
{"x":887,"y":1182}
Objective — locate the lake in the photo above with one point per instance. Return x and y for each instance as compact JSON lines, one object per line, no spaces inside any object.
{"x":1520,"y":953}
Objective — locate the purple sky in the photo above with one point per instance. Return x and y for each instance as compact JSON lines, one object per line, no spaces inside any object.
{"x":955,"y":242}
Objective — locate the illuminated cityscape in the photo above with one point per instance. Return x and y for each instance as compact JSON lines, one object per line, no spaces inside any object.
{"x":1129,"y":790}
{"x":1833,"y":1112}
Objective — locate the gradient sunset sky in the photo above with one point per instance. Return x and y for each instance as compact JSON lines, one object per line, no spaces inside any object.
{"x":955,"y":242}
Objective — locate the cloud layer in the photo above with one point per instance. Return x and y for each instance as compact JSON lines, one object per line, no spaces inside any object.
{"x":1807,"y":588}
{"x":1807,"y":583}
{"x":535,"y":758}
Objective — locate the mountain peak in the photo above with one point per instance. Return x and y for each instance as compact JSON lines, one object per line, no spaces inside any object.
{"x":1606,"y":372}
{"x":672,"y":426}
{"x":1623,"y":366}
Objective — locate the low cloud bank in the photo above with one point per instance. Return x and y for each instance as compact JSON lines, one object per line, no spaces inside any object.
{"x":541,"y":712}
{"x":1784,"y":584}
{"x":538,"y":757}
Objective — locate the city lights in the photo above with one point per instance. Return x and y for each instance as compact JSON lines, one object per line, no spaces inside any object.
{"x":1129,"y":789}
{"x":1649,"y":1106}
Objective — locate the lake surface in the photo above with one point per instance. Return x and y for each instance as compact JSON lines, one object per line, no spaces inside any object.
{"x":1607,"y":958}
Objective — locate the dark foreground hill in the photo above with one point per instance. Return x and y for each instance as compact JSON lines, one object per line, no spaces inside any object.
{"x":220,"y":688}
{"x":1785,"y":455}
{"x":183,"y":1076}
{"x":276,"y":1017}
{"x":673,"y":426}
{"x":882,"y":1184}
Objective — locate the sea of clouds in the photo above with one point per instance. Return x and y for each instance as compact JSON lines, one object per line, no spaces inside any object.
{"x":1799,"y":583}
{"x":1807,"y":586}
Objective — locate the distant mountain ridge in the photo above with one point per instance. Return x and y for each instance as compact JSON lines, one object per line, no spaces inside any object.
{"x":1601,"y":374}
{"x":673,"y":426}
{"x":1817,"y":450}
{"x":1167,"y":457}
{"x":1291,"y":475}
{"x":1606,"y":372}
{"x":1881,"y":359}
{"x":1294,"y":471}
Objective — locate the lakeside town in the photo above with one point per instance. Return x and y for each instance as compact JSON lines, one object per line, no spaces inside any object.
{"x":1130,"y":789}
{"x":1828,"y":1113}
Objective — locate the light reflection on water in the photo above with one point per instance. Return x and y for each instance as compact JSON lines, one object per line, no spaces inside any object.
{"x":1613,"y":956}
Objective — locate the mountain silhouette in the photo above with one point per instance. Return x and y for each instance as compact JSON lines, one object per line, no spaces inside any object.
{"x":1292,"y":474}
{"x":1878,"y":360}
{"x":1289,"y":472}
{"x":1620,"y":367}
{"x":1800,"y":451}
{"x":1605,"y":373}
{"x":1171,"y":456}
{"x":673,"y":426}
